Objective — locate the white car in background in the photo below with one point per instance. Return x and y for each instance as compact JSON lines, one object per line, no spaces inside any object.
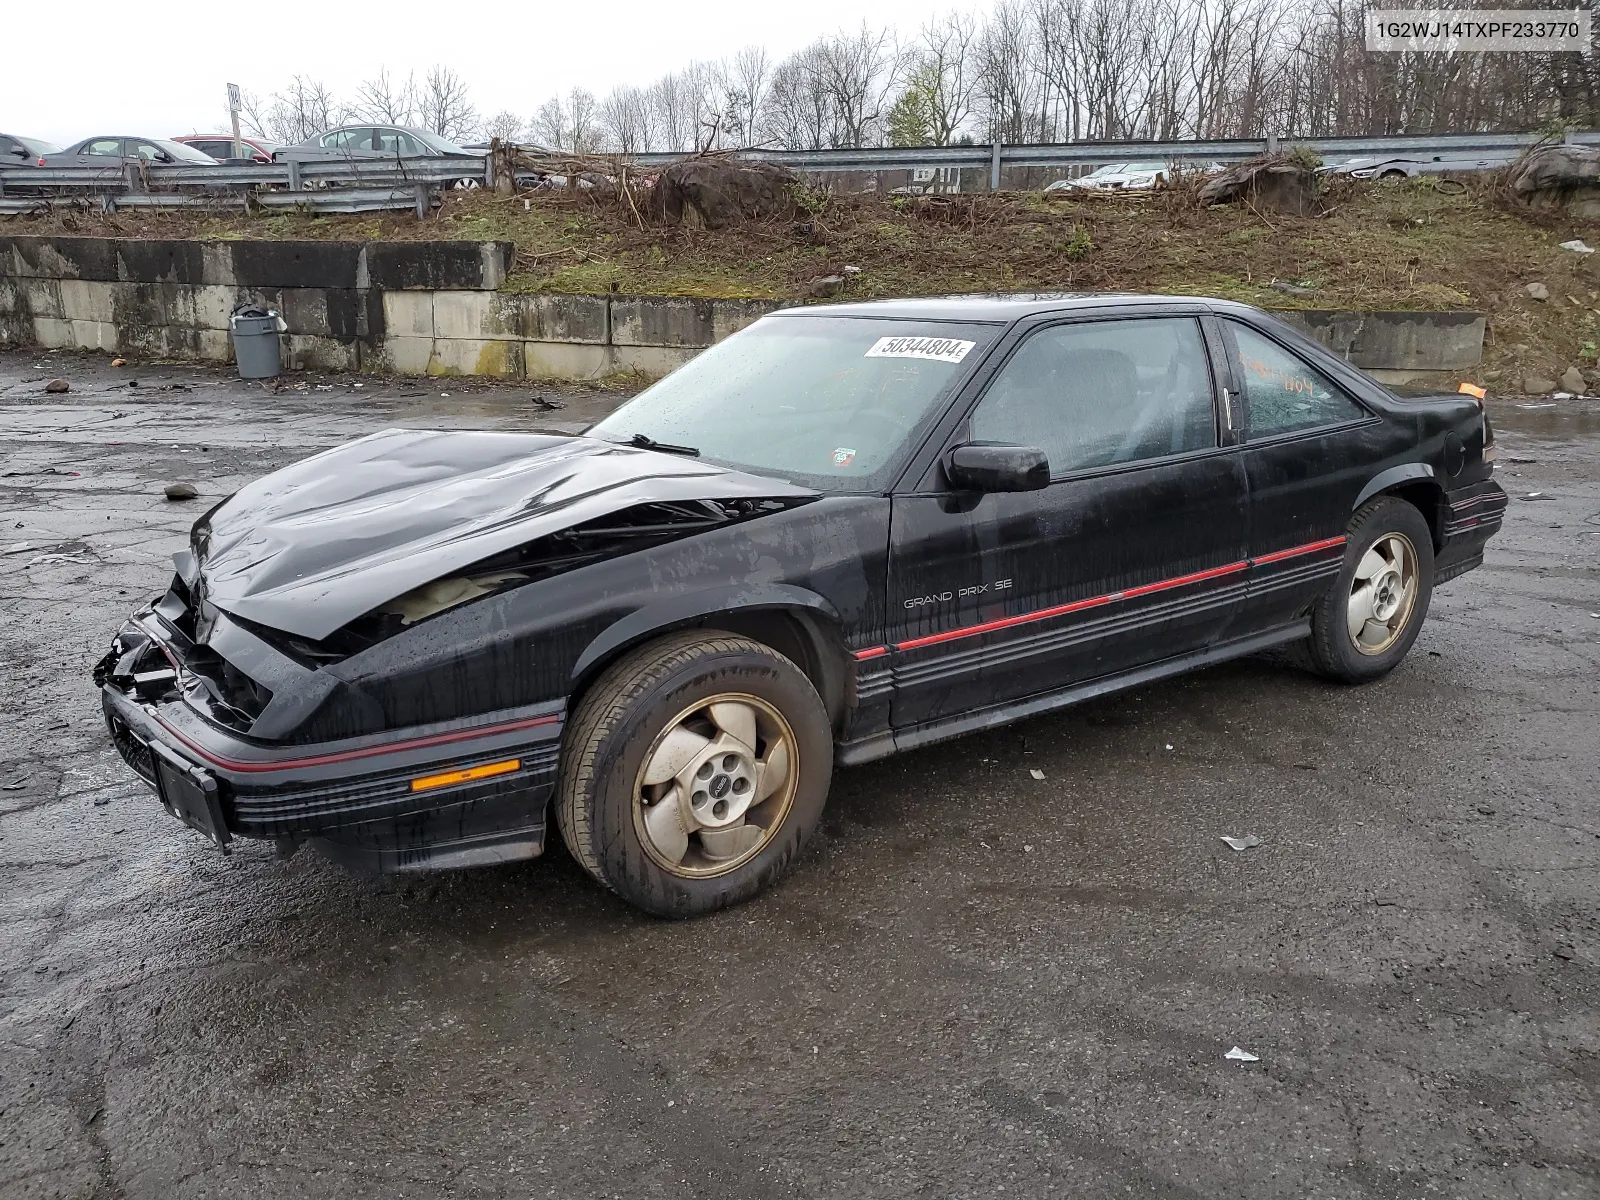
{"x":1115,"y":177}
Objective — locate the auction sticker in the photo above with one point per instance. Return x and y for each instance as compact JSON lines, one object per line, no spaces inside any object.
{"x":948,"y":350}
{"x":843,"y":456}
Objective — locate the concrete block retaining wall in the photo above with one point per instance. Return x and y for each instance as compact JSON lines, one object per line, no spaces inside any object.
{"x":434,"y":308}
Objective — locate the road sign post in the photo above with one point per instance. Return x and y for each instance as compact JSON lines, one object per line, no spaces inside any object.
{"x":233,"y":111}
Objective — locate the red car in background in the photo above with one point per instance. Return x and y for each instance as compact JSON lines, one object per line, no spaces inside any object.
{"x":220,"y":147}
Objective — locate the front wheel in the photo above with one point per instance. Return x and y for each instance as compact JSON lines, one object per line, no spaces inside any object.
{"x":1368,"y":620}
{"x":694,"y":771}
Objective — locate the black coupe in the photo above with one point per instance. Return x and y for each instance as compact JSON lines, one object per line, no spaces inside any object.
{"x":842,"y":532}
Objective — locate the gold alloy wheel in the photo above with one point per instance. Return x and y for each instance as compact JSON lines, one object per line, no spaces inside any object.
{"x":1382,"y":594}
{"x":715,"y":785}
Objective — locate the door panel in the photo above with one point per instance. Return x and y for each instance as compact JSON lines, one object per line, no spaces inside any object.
{"x":1027,"y":592}
{"x":1137,"y":556}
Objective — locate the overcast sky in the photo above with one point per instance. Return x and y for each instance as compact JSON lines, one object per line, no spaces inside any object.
{"x":160,"y":69}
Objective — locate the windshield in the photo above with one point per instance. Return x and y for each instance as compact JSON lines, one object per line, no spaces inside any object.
{"x":829,"y":402}
{"x":436,"y":143}
{"x":36,"y":147}
{"x":1110,"y":169}
{"x":1140,"y":168}
{"x":184,"y":153}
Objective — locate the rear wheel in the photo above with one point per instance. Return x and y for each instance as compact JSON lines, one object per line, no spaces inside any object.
{"x":694,"y":771}
{"x":1367,"y":622}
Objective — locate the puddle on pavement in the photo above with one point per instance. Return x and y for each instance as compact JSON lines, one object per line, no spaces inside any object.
{"x":1546,"y":420}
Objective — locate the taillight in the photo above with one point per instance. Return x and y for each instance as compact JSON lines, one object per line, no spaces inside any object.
{"x":1490,"y":453}
{"x":41,"y":162}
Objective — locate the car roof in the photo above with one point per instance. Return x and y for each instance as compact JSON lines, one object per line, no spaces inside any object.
{"x":1006,"y":307}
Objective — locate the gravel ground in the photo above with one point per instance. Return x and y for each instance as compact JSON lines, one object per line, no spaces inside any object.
{"x":976,"y":983}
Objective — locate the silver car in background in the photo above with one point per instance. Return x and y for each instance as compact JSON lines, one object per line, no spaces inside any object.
{"x":113,"y":150}
{"x":19,"y":151}
{"x":1403,"y":167}
{"x":374,"y":141}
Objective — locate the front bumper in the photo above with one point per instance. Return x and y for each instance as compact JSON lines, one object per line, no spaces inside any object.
{"x":358,"y":799}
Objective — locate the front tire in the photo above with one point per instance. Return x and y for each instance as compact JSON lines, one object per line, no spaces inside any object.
{"x":1366,"y":623}
{"x":693,"y":772}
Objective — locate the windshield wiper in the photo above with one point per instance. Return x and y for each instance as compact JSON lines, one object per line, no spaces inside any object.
{"x":643,"y":442}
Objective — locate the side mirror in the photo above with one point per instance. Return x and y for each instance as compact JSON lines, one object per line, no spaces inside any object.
{"x":998,"y":467}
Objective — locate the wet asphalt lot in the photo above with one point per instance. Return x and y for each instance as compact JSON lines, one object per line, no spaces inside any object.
{"x":976,"y":984}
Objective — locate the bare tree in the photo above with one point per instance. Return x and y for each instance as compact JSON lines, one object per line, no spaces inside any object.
{"x":505,"y":125}
{"x":748,"y":76}
{"x":387,"y":100}
{"x":856,"y":72}
{"x":944,"y":51}
{"x":302,"y":110}
{"x":443,"y":105}
{"x":672,"y":122}
{"x":627,"y":120}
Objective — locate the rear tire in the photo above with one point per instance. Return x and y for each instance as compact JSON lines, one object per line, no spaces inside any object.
{"x":1366,"y":623}
{"x":693,"y":772}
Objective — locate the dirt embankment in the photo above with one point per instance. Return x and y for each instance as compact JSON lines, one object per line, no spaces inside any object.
{"x":1419,"y":244}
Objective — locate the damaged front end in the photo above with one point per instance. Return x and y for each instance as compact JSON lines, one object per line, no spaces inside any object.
{"x":319,"y":669}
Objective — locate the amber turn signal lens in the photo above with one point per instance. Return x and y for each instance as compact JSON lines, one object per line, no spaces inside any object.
{"x":465,"y":775}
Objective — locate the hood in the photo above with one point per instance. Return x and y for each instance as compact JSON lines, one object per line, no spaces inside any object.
{"x":312,"y":547}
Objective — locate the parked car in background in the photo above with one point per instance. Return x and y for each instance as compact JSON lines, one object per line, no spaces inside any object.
{"x":374,"y":141}
{"x":1115,"y":177}
{"x":1410,"y":167}
{"x":111,"y":151}
{"x":19,"y":151}
{"x":220,"y":147}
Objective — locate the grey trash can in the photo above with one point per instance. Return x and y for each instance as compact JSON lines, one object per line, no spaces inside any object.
{"x":255,"y":342}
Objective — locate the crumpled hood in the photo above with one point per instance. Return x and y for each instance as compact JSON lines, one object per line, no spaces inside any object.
{"x":311,"y":547}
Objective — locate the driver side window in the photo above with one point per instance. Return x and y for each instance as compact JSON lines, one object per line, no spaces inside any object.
{"x":1098,"y":393}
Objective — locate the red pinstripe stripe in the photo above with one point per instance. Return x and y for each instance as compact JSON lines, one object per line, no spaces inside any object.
{"x":1146,"y":589}
{"x":1296,"y":551}
{"x":870,"y":652}
{"x":319,"y":760}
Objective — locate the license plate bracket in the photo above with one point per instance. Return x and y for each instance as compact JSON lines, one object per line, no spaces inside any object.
{"x":190,"y":794}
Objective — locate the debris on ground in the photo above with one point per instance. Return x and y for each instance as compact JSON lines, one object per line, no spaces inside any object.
{"x":1242,"y":843}
{"x":823,"y":286}
{"x":119,"y":362}
{"x":1384,"y":901}
{"x":1565,"y":953}
{"x":1538,"y":291}
{"x":16,"y":785}
{"x":714,"y":192}
{"x":1239,"y":1055}
{"x":1035,"y":772}
{"x":1535,"y":496}
{"x":16,"y":548}
{"x":180,"y":491}
{"x":1275,"y":183}
{"x":40,"y":559}
{"x":1577,"y":246}
{"x":56,"y":386}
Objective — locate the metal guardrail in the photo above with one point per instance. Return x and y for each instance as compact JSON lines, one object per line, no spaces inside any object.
{"x":996,"y":156}
{"x":370,"y":185}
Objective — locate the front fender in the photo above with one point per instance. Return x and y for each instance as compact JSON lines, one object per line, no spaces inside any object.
{"x":677,"y":611}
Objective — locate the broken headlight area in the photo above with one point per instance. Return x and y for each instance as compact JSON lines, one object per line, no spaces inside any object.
{"x":612,"y":536}
{"x":155,"y":660}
